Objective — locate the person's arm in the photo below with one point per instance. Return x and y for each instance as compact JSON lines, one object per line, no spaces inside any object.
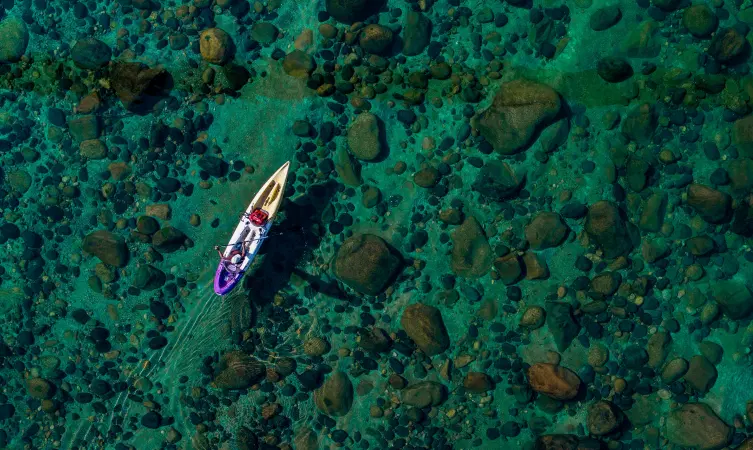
{"x":219,"y":252}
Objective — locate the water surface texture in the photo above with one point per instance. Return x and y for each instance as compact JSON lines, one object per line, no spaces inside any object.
{"x":508,"y":224}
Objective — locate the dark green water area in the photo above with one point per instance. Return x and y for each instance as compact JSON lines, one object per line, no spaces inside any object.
{"x":507,"y":225}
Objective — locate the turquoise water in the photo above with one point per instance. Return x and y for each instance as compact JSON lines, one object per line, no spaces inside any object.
{"x":506,"y":225}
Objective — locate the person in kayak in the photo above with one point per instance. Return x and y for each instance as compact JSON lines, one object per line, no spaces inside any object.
{"x":235,"y":257}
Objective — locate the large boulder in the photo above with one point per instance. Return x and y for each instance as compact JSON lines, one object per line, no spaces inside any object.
{"x":545,"y":230}
{"x":734,"y":298}
{"x":335,"y":396}
{"x":603,"y":418}
{"x":520,"y":108}
{"x":364,"y":137}
{"x":497,"y":180}
{"x":215,"y":46}
{"x":472,"y":255}
{"x":366,"y":263}
{"x":712,"y":205}
{"x":416,"y":33}
{"x":700,"y":20}
{"x":609,"y":231}
{"x":424,"y":394}
{"x":424,"y":325}
{"x":375,"y":38}
{"x":108,"y":247}
{"x":90,"y":54}
{"x":696,"y":425}
{"x":349,"y":11}
{"x":137,"y":85}
{"x":148,"y":278}
{"x":14,"y":37}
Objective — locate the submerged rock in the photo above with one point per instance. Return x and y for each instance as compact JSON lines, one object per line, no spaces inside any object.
{"x":520,"y":108}
{"x":607,"y":228}
{"x":640,"y":124}
{"x":696,"y":425}
{"x":216,"y":46}
{"x":497,"y":180}
{"x":366,"y":263}
{"x":416,"y":33}
{"x":424,"y":394}
{"x":168,"y":239}
{"x":603,"y":418}
{"x":553,"y":381}
{"x":734,"y":298}
{"x":727,"y":44}
{"x":364,"y":137}
{"x":298,"y":64}
{"x":472,"y":255}
{"x":335,"y":396}
{"x":91,"y":54}
{"x":138,"y":85}
{"x":424,"y":325}
{"x":349,"y":11}
{"x":700,"y":20}
{"x":14,"y":38}
{"x":712,"y":205}
{"x":545,"y":230}
{"x":375,"y":38}
{"x":108,"y":247}
{"x":238,"y":370}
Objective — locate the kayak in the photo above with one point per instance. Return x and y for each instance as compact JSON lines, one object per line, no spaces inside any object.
{"x":251,"y":232}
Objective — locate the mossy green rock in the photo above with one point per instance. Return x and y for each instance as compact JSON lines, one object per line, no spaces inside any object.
{"x":734,"y":298}
{"x":472,"y":255}
{"x":108,"y":247}
{"x":366,"y":263}
{"x":424,"y":394}
{"x":335,"y":396}
{"x":14,"y":38}
{"x":168,"y":239}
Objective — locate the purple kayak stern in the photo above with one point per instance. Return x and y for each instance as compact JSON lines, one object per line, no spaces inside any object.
{"x":225,"y":280}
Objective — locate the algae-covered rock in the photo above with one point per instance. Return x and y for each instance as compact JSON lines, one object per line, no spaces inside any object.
{"x":148,"y":278}
{"x":298,"y":64}
{"x":701,"y":374}
{"x":608,"y":229}
{"x":366,"y":263}
{"x":546,"y":230}
{"x":614,"y":69}
{"x":90,"y":53}
{"x":108,"y":247}
{"x":562,"y":325}
{"x":734,"y":298}
{"x":424,"y":394}
{"x":604,"y":18}
{"x":727,"y":44}
{"x":700,"y":20}
{"x":497,"y":180}
{"x":603,"y":418}
{"x":520,"y":108}
{"x":335,"y":396}
{"x":364,"y":137}
{"x":14,"y":38}
{"x":416,"y":33}
{"x":424,"y":325}
{"x":640,"y":124}
{"x":712,"y":205}
{"x":137,"y":85}
{"x":168,"y":239}
{"x":472,"y":255}
{"x":375,"y":38}
{"x":696,"y":425}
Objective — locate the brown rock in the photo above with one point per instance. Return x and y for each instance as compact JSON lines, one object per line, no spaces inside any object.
{"x":427,"y":177}
{"x":741,"y":175}
{"x":658,"y":348}
{"x":603,"y":418}
{"x":556,"y":442}
{"x":509,"y":268}
{"x":546,"y":230}
{"x":535,"y":266}
{"x":416,"y":33}
{"x":477,"y":382}
{"x":472,"y":255}
{"x":700,"y":245}
{"x":606,"y":227}
{"x":554,"y":381}
{"x":84,"y":128}
{"x":606,"y":283}
{"x":424,"y":325}
{"x":423,"y":394}
{"x":520,"y":108}
{"x":375,"y":38}
{"x":374,"y":340}
{"x":92,"y":149}
{"x":306,"y":439}
{"x":335,"y":397}
{"x":39,"y":388}
{"x":168,"y":239}
{"x":215,"y":45}
{"x":366,"y":263}
{"x":298,"y":64}
{"x":108,"y":247}
{"x":697,"y":426}
{"x":712,"y":205}
{"x":701,"y":374}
